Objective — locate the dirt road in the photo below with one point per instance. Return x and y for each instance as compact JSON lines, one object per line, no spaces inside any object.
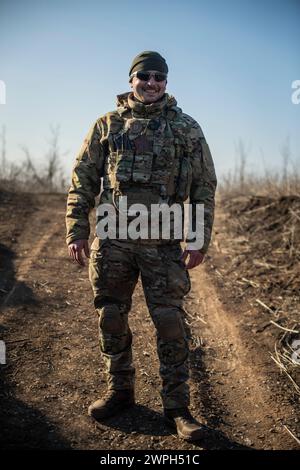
{"x":54,"y":371}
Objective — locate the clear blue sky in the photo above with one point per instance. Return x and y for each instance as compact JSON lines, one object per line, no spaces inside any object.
{"x":231,"y":66}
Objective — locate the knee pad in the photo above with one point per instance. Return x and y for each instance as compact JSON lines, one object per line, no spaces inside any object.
{"x":172,"y":352}
{"x":169,"y":323}
{"x":111,"y":320}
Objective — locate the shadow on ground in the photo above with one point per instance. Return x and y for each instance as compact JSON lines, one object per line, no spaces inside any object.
{"x":142,"y":420}
{"x":12,"y":291}
{"x":22,"y":426}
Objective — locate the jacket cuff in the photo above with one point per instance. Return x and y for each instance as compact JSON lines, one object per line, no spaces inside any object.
{"x":77,"y":236}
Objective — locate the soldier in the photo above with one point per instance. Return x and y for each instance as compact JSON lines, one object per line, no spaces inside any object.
{"x":151,"y":152}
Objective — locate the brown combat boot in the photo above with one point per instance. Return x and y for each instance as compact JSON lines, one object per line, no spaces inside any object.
{"x":186,"y":426}
{"x":113,"y":403}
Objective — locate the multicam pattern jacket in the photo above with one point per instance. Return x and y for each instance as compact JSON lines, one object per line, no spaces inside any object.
{"x":150,"y":153}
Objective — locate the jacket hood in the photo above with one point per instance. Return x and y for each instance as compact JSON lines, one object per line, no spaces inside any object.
{"x":126,"y":102}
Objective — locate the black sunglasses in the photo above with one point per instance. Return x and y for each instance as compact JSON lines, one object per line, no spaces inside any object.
{"x":145,"y":76}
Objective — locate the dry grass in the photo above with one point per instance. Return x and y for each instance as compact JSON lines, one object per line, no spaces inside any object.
{"x":287,"y":357}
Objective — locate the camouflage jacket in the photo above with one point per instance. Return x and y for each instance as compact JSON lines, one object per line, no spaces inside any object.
{"x":151,"y":153}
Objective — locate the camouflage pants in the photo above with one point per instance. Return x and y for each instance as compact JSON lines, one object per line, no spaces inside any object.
{"x":114,"y":271}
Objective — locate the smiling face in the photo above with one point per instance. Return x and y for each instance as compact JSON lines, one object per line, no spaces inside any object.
{"x":148,"y":91}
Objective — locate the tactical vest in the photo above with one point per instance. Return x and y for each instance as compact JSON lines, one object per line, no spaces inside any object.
{"x":147,"y":159}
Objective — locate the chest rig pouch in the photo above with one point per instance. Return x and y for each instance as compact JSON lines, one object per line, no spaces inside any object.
{"x":140,"y":162}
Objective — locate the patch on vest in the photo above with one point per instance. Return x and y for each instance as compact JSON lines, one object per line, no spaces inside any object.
{"x":142,"y":145}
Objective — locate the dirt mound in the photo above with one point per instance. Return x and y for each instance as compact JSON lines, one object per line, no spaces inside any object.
{"x":262,"y":245}
{"x":268,"y":233}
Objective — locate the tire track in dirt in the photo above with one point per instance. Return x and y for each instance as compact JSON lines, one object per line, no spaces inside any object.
{"x":44,"y":224}
{"x":25,"y":263}
{"x":250,"y":412}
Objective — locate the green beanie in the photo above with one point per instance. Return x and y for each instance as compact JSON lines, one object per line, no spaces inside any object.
{"x":148,"y":60}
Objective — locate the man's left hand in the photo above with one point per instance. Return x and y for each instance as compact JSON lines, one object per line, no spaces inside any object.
{"x":195,"y":258}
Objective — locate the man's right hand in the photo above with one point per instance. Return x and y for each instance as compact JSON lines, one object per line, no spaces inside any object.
{"x":75,"y":250}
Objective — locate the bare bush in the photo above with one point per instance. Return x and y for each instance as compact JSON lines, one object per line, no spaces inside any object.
{"x":271,"y":183}
{"x":27,"y":176}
